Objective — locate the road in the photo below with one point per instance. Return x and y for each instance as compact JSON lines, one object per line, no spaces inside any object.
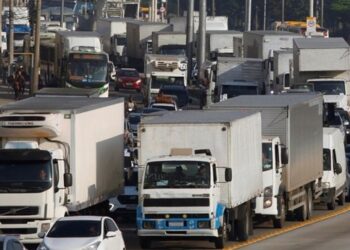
{"x":319,"y":233}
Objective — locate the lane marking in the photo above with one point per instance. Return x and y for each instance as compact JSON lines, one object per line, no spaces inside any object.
{"x":287,"y":229}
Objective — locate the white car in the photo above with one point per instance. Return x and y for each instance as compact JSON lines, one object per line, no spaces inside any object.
{"x":83,"y":232}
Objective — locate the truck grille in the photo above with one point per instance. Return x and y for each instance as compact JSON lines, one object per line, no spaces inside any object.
{"x":166,"y":65}
{"x":128,"y":199}
{"x":176,"y":216}
{"x":18,"y":230}
{"x":19,"y":210}
{"x":202,"y":202}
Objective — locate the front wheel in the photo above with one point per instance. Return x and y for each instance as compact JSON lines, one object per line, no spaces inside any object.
{"x":221,"y":240}
{"x":279,"y":221}
{"x":341,"y":199}
{"x":243,"y":225}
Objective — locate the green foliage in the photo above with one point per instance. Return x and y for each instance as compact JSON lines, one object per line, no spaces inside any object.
{"x":341,"y":6}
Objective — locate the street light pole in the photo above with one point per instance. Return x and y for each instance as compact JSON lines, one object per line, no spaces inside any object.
{"x":311,"y":13}
{"x":189,"y":38}
{"x":248,"y":14}
{"x":282,"y":19}
{"x":264,"y":14}
{"x":35,"y":82}
{"x":62,"y":12}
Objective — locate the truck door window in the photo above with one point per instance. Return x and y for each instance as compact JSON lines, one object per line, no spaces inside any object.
{"x":215,"y":174}
{"x":334,"y":158}
{"x":266,"y":156}
{"x":277,"y":156}
{"x":326,"y":160}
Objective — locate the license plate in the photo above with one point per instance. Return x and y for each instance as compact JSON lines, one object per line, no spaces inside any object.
{"x":129,"y":83}
{"x":176,"y":224}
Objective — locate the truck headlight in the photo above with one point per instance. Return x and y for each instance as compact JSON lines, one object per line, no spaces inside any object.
{"x":45,"y":227}
{"x":268,"y":191}
{"x":326,"y":185}
{"x":92,"y":246}
{"x":203,"y":224}
{"x":267,"y":202}
{"x":149,"y":224}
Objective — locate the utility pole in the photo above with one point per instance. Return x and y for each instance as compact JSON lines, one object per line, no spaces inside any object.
{"x":62,"y":13}
{"x":0,"y":32}
{"x":311,"y":13}
{"x":201,"y":32}
{"x":35,"y":81}
{"x":248,"y":14}
{"x":322,"y":12}
{"x":11,"y":36}
{"x":213,"y":9}
{"x":264,"y":15}
{"x":282,"y":19}
{"x":189,"y":38}
{"x":178,"y":8}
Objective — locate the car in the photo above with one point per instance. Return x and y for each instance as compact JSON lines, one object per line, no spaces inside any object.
{"x":164,"y":106}
{"x":83,"y":232}
{"x":150,"y":110}
{"x":179,"y":91}
{"x":8,"y":242}
{"x":128,"y":78}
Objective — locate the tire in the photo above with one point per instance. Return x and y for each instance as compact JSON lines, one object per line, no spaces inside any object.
{"x":341,"y":199}
{"x":331,"y":205}
{"x":279,"y":221}
{"x":302,"y":212}
{"x":310,"y":204}
{"x":232,"y":233}
{"x":243,"y":225}
{"x":221,"y":240}
{"x":145,"y":242}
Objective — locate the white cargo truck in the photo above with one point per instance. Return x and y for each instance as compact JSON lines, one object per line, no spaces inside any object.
{"x":292,"y":177}
{"x":169,"y":43}
{"x":54,"y":161}
{"x":163,"y":70}
{"x":282,"y":60}
{"x":212,"y":23}
{"x":219,"y":154}
{"x":334,"y":168}
{"x":220,"y":43}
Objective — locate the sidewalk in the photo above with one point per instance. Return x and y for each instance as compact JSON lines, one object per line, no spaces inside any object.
{"x":6,"y":94}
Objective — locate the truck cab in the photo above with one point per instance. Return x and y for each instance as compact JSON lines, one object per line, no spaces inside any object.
{"x":270,"y":200}
{"x":334,"y":168}
{"x":235,"y":88}
{"x":180,"y":197}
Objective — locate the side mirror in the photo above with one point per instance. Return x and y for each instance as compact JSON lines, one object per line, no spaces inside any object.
{"x":68,"y":179}
{"x":56,"y":172}
{"x":338,"y":169}
{"x":228,"y":174}
{"x":111,"y":234}
{"x":284,"y":156}
{"x":41,"y":235}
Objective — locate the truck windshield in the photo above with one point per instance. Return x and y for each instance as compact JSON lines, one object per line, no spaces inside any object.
{"x":176,"y":174}
{"x":326,"y":159}
{"x":236,"y":90}
{"x":25,"y":177}
{"x":329,"y":87}
{"x":158,"y":81}
{"x":266,"y":156}
{"x":87,"y":73}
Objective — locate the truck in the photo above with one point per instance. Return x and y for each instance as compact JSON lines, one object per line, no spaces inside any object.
{"x":282,"y":60}
{"x":113,"y":31}
{"x":212,"y":23}
{"x":292,"y":150}
{"x":211,"y":199}
{"x":220,"y":43}
{"x":162,"y":70}
{"x":334,"y":168}
{"x":139,"y":40}
{"x":322,"y":60}
{"x":46,"y":172}
{"x":81,"y":62}
{"x":169,"y":43}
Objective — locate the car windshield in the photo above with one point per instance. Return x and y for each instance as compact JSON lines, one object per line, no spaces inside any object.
{"x":163,"y":106}
{"x":181,"y":94}
{"x":232,"y":91}
{"x":75,"y":229}
{"x":174,"y":174}
{"x":347,"y":149}
{"x":25,"y":177}
{"x":128,"y":73}
{"x":326,"y":159}
{"x":329,"y":87}
{"x":158,"y":81}
{"x":267,"y":156}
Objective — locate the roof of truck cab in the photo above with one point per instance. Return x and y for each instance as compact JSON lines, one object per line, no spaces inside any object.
{"x":198,"y":116}
{"x":47,"y":104}
{"x":321,"y":43}
{"x":78,"y":33}
{"x":268,"y":101}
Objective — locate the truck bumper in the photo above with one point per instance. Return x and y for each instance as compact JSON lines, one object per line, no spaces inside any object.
{"x":266,"y":205}
{"x":178,"y":233}
{"x":26,"y":232}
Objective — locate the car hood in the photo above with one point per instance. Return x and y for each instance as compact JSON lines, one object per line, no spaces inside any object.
{"x":69,"y":243}
{"x":124,"y":78}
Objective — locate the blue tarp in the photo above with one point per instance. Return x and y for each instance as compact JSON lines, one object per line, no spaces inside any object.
{"x":18,"y":28}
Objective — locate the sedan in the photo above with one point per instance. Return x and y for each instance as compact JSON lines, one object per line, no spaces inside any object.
{"x":128,"y":78}
{"x":83,"y":232}
{"x":10,"y":243}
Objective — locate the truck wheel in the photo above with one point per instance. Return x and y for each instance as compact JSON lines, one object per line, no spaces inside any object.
{"x":243,"y":225}
{"x":301,"y":212}
{"x":331,"y":205}
{"x":221,"y":240}
{"x":145,"y":242}
{"x":341,"y":199}
{"x":232,"y":233}
{"x":278,"y":221}
{"x":310,"y":204}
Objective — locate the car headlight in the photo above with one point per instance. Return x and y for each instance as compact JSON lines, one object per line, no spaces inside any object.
{"x":92,"y":246}
{"x":42,"y":246}
{"x":45,"y":227}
